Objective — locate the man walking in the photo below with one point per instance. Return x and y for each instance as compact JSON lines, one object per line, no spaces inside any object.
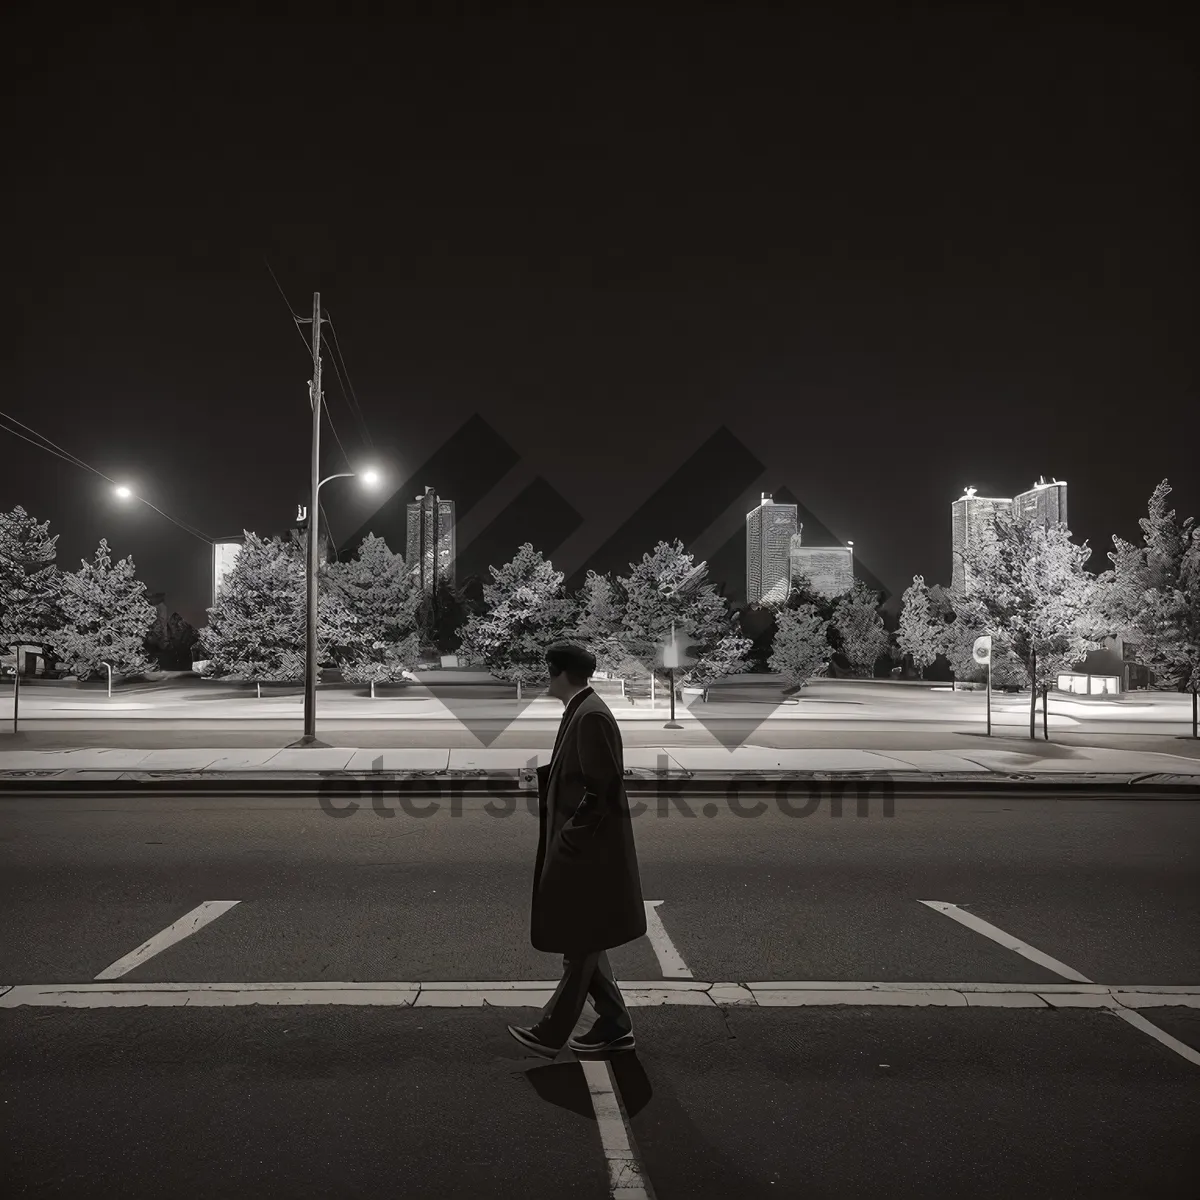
{"x":587,"y":894}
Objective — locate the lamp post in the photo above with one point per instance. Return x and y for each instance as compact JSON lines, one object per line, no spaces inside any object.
{"x":671,"y":661}
{"x":685,"y":586}
{"x":311,"y":666}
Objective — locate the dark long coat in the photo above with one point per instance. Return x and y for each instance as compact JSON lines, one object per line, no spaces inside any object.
{"x":587,"y":894}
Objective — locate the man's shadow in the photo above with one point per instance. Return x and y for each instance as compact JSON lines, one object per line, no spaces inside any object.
{"x":563,"y":1084}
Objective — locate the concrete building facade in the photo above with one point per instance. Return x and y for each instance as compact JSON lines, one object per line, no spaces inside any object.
{"x":769,"y":531}
{"x":1045,"y":503}
{"x":430,"y":546}
{"x":830,"y":568}
{"x":971,"y":517}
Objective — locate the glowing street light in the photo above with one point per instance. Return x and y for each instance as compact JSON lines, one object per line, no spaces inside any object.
{"x":311,"y":667}
{"x":123,"y":491}
{"x":370,"y":477}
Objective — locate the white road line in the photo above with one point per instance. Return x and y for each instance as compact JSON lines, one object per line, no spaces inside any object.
{"x":1121,"y":1005}
{"x":1161,"y":1035}
{"x":626,"y":1179}
{"x":673,"y":966}
{"x":200,"y":916}
{"x":1006,"y":940}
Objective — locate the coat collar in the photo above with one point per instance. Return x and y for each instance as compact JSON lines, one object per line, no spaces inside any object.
{"x":576,"y":702}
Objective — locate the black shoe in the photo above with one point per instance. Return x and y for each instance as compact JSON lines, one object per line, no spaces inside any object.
{"x":531,"y":1039}
{"x":601,"y":1040}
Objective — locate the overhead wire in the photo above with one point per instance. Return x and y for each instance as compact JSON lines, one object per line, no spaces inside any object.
{"x":352,"y":396}
{"x":53,"y":448}
{"x":341,"y":373}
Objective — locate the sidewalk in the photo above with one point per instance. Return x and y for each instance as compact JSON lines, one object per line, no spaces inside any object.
{"x":1042,"y":763}
{"x":848,"y":700}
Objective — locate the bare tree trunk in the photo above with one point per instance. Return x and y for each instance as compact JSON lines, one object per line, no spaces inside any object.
{"x":1194,"y":733}
{"x":518,"y":691}
{"x":1045,"y":712}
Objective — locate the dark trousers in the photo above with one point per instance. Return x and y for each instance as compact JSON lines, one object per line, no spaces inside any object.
{"x":584,"y":975}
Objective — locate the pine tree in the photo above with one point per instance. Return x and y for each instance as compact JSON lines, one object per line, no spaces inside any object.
{"x":860,"y":629}
{"x":600,"y":606}
{"x":256,"y":630}
{"x":170,"y":642}
{"x":381,"y":600}
{"x":526,"y":610}
{"x":1031,"y":593}
{"x":440,"y":616}
{"x":920,"y":632}
{"x":801,"y":649}
{"x":758,"y":623}
{"x":803,"y":594}
{"x":667,"y":589}
{"x":30,"y":583}
{"x":1152,"y":596}
{"x":105,"y":618}
{"x":729,"y":655}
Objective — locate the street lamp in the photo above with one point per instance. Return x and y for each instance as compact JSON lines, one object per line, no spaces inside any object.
{"x":684,"y":587}
{"x":370,"y":477}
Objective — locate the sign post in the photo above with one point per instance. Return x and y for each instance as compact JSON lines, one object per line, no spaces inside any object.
{"x":982,"y":653}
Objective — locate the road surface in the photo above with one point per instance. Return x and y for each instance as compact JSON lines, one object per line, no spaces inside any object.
{"x":910,"y":1098}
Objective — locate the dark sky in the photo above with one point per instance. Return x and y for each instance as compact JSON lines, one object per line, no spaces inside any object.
{"x":893,"y":256}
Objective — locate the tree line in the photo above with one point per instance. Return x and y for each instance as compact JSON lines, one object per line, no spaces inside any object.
{"x":82,"y":619}
{"x":1030,"y":591}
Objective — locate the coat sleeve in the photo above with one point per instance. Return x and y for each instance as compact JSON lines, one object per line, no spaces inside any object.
{"x":601,"y":769}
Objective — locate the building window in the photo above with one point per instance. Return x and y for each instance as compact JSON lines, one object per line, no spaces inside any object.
{"x":1073,"y":683}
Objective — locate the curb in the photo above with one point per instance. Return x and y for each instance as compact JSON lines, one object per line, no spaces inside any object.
{"x":638,"y":782}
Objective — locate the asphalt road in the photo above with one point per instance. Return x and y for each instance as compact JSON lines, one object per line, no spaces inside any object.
{"x":439,"y":1102}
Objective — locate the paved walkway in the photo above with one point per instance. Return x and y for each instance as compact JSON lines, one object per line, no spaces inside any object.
{"x":1040,"y":760}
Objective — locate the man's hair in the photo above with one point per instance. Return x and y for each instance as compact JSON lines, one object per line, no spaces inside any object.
{"x":578,"y":663}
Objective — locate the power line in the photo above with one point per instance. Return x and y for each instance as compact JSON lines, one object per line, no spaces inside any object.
{"x":58,"y":452}
{"x":297,"y":320}
{"x":353,"y":395}
{"x":64,"y":457}
{"x":333,"y":430}
{"x":337,"y":371}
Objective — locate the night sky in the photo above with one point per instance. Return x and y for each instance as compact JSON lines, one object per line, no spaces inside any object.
{"x":891,"y":257}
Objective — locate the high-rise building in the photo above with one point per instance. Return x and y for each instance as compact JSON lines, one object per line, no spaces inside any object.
{"x":769,"y":531}
{"x":1045,"y":502}
{"x":830,"y":569}
{"x":971,"y":516}
{"x":224,"y":556}
{"x":431,"y":548}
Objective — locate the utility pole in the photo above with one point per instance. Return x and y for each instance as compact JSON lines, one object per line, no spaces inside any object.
{"x":314,"y":559}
